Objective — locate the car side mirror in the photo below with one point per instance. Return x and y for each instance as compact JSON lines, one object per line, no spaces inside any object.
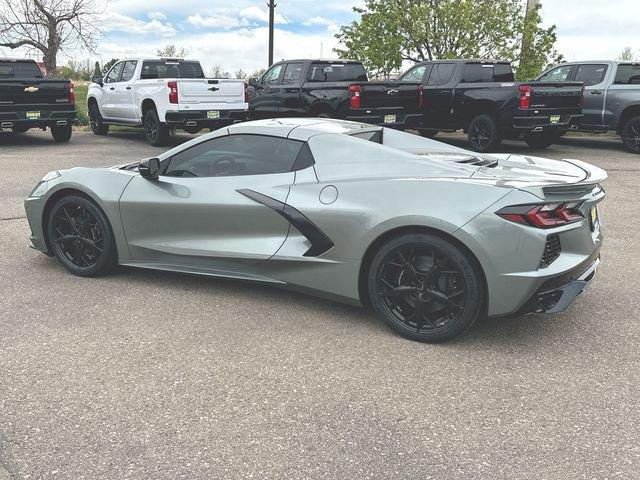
{"x":149,"y":168}
{"x":253,"y":82}
{"x":98,"y":80}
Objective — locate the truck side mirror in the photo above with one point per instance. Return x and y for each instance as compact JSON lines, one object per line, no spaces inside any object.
{"x":253,"y":82}
{"x":97,"y":80}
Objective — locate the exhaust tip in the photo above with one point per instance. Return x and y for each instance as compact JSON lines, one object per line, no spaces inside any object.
{"x":61,"y":122}
{"x":191,"y":123}
{"x":6,"y":124}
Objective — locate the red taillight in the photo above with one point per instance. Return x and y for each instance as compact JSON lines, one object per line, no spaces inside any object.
{"x":72,"y":93}
{"x":525,"y":96}
{"x":420,"y":96}
{"x":173,"y":92}
{"x":355,"y":96}
{"x":543,"y":216}
{"x":246,"y":92}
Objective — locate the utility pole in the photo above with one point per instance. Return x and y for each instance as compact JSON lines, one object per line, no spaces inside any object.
{"x":272,"y":6}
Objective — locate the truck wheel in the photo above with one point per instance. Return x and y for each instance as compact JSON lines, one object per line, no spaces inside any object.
{"x":429,"y":133}
{"x":98,"y":127}
{"x":16,"y":130}
{"x":484,"y":134}
{"x":61,"y":134}
{"x":324,"y":115}
{"x":631,"y":135}
{"x":157,"y":133}
{"x":192,"y":130}
{"x":541,"y":139}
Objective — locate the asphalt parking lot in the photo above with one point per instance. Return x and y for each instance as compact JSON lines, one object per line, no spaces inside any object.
{"x":149,"y":375}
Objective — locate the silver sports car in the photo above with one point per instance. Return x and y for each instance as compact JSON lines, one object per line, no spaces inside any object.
{"x":429,"y":236}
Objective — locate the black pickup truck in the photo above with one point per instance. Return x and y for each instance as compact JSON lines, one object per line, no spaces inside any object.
{"x":482,"y":98}
{"x":336,"y":89}
{"x":28,"y":100}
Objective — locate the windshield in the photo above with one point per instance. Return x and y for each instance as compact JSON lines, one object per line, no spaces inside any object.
{"x":171,"y":69}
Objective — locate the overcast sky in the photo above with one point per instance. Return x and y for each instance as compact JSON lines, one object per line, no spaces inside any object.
{"x":233,"y":33}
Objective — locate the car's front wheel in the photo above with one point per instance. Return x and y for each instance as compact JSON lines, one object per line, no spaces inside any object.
{"x":631,"y":135}
{"x":98,"y":127}
{"x":80,"y":237}
{"x":425,"y":287}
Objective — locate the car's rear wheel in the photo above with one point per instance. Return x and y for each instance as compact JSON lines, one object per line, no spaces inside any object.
{"x":80,"y":237}
{"x":631,"y":135}
{"x":484,"y":134}
{"x":157,"y":133}
{"x":541,"y":139}
{"x":98,"y":127}
{"x":425,"y":287}
{"x":61,"y":133}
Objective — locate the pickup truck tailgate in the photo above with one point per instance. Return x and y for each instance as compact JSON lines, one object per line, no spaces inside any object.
{"x":209,"y":91}
{"x":31,"y":92}
{"x":390,"y":94}
{"x":556,"y":94}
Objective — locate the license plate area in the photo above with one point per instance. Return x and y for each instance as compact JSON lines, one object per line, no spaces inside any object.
{"x":554,"y":119}
{"x":594,"y":218}
{"x":389,"y":119}
{"x":34,"y":115}
{"x":213,"y":114}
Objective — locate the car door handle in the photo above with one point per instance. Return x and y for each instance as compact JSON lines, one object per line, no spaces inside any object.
{"x":596,"y":92}
{"x":445,"y":92}
{"x":128,"y":88}
{"x":112,"y":88}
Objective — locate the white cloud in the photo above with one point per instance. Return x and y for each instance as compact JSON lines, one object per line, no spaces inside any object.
{"x":116,"y":22}
{"x":319,"y":21}
{"x":256,"y":13}
{"x":157,"y":16}
{"x":213,"y":21}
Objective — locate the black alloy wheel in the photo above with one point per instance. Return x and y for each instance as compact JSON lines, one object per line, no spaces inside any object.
{"x":425,"y":288}
{"x":80,"y":237}
{"x":98,"y":127}
{"x":631,"y":135}
{"x":483,"y":134}
{"x":157,"y":133}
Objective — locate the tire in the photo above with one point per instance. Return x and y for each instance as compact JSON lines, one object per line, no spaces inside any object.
{"x":98,"y":127}
{"x":61,"y":133}
{"x":324,"y":115}
{"x":484,"y":134}
{"x":156,"y":132}
{"x":192,"y":130}
{"x":631,"y":135}
{"x":429,"y":133}
{"x":435,"y":276}
{"x":80,"y":237}
{"x":542,"y":139}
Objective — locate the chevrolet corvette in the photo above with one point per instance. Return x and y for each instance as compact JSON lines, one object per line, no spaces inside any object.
{"x":429,"y":236}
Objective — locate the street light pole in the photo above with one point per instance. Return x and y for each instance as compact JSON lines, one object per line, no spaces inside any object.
{"x":272,"y":6}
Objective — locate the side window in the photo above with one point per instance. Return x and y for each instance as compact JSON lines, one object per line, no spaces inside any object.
{"x":590,"y":74}
{"x":128,"y":70}
{"x":628,"y":75}
{"x":236,"y":155}
{"x":292,"y":73}
{"x":114,"y":73}
{"x":441,"y":73}
{"x":272,"y":75}
{"x":558,"y":74}
{"x":415,"y":74}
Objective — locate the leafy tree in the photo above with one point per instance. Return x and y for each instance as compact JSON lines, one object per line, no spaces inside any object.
{"x":97,"y":72}
{"x":392,"y":31}
{"x":107,"y":66}
{"x":627,"y":55}
{"x":257,"y":73}
{"x":47,"y":26}
{"x":537,"y":51}
{"x":241,"y":74}
{"x":172,"y":51}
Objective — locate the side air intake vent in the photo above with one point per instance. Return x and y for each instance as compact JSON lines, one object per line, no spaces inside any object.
{"x":551,"y":252}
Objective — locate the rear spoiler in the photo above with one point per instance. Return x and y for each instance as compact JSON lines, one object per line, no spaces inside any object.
{"x":589,"y":186}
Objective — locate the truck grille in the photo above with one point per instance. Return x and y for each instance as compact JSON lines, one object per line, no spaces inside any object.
{"x":552,"y":251}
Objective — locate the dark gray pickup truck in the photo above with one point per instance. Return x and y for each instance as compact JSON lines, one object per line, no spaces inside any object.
{"x":612,"y":96}
{"x":28,"y":100}
{"x":336,"y":89}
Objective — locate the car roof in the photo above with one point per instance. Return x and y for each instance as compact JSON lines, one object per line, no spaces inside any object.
{"x":299,"y":128}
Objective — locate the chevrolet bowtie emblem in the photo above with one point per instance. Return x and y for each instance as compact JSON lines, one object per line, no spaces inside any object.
{"x":31,"y":89}
{"x":392,"y":92}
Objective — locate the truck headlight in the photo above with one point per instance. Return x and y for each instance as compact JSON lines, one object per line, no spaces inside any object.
{"x":41,"y":187}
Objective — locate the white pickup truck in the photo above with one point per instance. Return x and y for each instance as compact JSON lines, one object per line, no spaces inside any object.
{"x":161,"y":95}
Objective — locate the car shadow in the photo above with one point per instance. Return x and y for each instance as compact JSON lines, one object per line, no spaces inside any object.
{"x":174,"y":140}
